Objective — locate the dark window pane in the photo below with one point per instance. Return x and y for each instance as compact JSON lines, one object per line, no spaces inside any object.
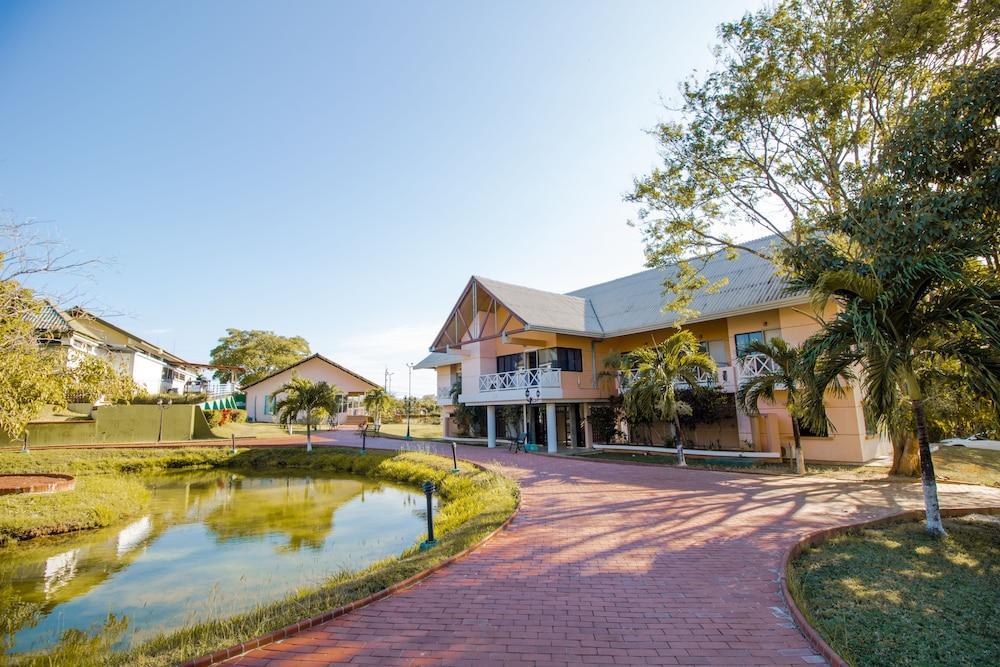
{"x":744,"y":339}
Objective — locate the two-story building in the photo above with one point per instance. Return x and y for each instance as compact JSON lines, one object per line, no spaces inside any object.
{"x":544,"y":352}
{"x":81,"y":333}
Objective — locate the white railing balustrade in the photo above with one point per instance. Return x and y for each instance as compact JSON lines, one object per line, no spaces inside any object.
{"x":722,"y":377}
{"x":755,"y":365}
{"x":528,"y":378}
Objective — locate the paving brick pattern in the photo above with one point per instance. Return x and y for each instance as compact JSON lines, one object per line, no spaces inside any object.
{"x":611,"y":565}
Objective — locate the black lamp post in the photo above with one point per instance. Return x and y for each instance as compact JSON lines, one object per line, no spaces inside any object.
{"x":454,"y":457}
{"x":531,"y":399}
{"x":430,"y":541}
{"x":163,"y":406}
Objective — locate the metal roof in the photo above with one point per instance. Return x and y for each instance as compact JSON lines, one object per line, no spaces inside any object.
{"x":636,"y":302}
{"x":545,"y":310}
{"x":435,"y":359}
{"x":50,"y":319}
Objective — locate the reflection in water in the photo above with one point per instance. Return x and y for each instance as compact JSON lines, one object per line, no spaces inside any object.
{"x":59,"y":569}
{"x":133,"y":534}
{"x":215,"y":543}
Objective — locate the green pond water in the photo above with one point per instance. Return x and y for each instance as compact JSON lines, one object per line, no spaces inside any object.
{"x":213,"y":544}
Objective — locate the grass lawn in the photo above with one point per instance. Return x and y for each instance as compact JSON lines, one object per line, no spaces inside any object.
{"x":428,"y":431}
{"x":951,"y":464}
{"x":894,"y":596}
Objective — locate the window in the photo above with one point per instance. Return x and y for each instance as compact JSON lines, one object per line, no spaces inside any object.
{"x":566,"y":358}
{"x":507,"y":363}
{"x":268,"y":404}
{"x":807,"y":432}
{"x":743,"y":341}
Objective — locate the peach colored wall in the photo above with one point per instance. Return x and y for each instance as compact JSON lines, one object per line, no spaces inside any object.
{"x":316,"y":370}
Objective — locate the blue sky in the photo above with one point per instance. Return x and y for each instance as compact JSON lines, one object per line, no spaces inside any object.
{"x":335,"y":170}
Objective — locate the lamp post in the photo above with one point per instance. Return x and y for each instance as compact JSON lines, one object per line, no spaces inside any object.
{"x":454,"y":457}
{"x":409,"y":398}
{"x":163,"y":406}
{"x":430,"y":541}
{"x":530,"y":399}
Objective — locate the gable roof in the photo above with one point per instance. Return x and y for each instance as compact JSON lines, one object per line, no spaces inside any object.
{"x":310,"y":358}
{"x":545,"y":310}
{"x":86,"y":319}
{"x":634,"y":303}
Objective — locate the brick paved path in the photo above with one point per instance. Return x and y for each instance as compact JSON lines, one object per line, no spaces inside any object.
{"x":611,"y":564}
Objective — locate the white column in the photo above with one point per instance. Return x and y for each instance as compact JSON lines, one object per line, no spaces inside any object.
{"x":588,"y":430}
{"x":491,"y":426}
{"x":550,"y":427}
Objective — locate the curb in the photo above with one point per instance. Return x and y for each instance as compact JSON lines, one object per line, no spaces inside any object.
{"x":818,"y":537}
{"x":237,"y":650}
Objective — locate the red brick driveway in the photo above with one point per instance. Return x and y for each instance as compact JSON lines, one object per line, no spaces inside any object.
{"x":611,"y":564}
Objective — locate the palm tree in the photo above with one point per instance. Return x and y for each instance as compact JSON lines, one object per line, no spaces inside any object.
{"x":302,"y":396}
{"x":786,"y":370}
{"x":939,"y":308}
{"x":376,"y":402}
{"x":658,"y":369}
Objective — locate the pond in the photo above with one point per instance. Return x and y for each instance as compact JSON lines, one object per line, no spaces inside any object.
{"x":213,"y":544}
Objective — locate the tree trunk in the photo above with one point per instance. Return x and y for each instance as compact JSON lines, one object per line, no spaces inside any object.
{"x":800,"y":460}
{"x":905,"y":455}
{"x":309,"y":442}
{"x":934,"y":526}
{"x":680,"y":441}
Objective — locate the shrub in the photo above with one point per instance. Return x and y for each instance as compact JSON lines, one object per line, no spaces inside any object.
{"x":178,"y":399}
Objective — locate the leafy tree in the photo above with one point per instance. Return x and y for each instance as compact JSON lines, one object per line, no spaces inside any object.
{"x":789,"y":373}
{"x":310,"y":399}
{"x":787,"y":127}
{"x":652,"y":393}
{"x":92,"y":378}
{"x":259,"y":353}
{"x":911,"y":263}
{"x":377,"y":402}
{"x":31,"y":376}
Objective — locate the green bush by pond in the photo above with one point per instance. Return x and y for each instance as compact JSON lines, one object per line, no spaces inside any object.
{"x":895,"y":596}
{"x":472,"y":504}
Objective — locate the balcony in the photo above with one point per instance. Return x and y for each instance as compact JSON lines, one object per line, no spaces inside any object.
{"x":724,"y":378}
{"x":444,"y":396}
{"x":542,"y":383}
{"x":755,"y":365}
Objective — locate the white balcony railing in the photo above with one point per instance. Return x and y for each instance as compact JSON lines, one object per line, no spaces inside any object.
{"x":723,"y":378}
{"x":528,"y":378}
{"x":755,"y":365}
{"x":444,"y":396}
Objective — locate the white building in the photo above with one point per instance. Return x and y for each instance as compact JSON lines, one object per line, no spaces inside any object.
{"x":262,"y":395}
{"x":83,"y":333}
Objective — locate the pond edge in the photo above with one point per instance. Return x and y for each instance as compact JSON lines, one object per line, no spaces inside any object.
{"x":817,"y":537}
{"x":292,"y":629}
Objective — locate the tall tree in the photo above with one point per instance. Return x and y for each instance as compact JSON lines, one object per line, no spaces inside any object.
{"x":658,"y":370}
{"x":259,"y":353}
{"x":788,"y":125}
{"x":785,"y":374}
{"x":911,"y":263}
{"x":300,"y":396}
